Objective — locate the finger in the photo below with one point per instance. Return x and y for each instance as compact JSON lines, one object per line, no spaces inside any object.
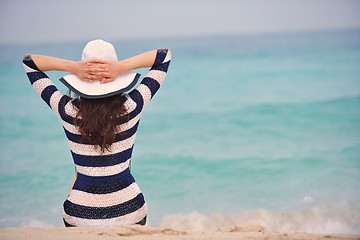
{"x":99,"y":75}
{"x":92,"y":77}
{"x":89,"y":78}
{"x":96,"y":66}
{"x":95,"y":70}
{"x":103,"y":66}
{"x":96,"y":61}
{"x":100,"y":67}
{"x":86,"y":79}
{"x":105,"y":80}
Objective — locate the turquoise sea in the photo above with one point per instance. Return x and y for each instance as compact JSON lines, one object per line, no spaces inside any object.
{"x":251,"y":128}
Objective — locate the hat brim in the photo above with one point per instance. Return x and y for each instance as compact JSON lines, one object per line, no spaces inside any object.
{"x":123,"y":83}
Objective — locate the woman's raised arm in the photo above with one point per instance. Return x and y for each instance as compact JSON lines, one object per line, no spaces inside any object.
{"x":48,"y":63}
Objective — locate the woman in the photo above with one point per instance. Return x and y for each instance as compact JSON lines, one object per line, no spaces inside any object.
{"x":100,"y":125}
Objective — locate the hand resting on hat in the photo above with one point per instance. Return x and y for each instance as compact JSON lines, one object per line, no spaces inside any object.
{"x":101,"y":70}
{"x":107,"y":70}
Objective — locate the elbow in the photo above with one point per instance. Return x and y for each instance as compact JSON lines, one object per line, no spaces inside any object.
{"x":168,"y":55}
{"x":27,"y":57}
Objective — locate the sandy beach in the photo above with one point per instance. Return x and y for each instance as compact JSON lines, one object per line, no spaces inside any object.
{"x":238,"y":232}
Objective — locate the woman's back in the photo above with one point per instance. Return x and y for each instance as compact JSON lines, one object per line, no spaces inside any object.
{"x":104,"y":193}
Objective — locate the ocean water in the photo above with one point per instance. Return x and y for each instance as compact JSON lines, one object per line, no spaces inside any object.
{"x":249,"y":128}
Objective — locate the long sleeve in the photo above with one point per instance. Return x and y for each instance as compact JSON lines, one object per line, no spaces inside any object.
{"x":42,"y":84}
{"x":151,"y":83}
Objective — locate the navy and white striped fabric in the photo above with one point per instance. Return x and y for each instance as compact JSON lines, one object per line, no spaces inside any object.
{"x":104,"y":193}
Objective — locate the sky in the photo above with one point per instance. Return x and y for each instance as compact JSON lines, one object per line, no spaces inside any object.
{"x":38,"y":21}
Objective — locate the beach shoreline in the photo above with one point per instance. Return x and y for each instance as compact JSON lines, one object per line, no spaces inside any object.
{"x":238,"y":232}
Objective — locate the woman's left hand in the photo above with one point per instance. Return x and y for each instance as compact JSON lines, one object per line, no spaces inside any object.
{"x":80,"y":70}
{"x":102,"y":70}
{"x":90,"y":70}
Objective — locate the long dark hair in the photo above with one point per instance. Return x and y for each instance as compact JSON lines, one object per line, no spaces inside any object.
{"x":98,"y":119}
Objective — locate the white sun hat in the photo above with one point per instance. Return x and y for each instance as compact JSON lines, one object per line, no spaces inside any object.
{"x":100,"y":49}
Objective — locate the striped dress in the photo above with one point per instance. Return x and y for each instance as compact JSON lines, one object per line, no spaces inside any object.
{"x":104,"y":193}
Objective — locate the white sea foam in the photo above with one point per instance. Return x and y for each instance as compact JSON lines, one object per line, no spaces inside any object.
{"x":340,"y":219}
{"x":307,"y":199}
